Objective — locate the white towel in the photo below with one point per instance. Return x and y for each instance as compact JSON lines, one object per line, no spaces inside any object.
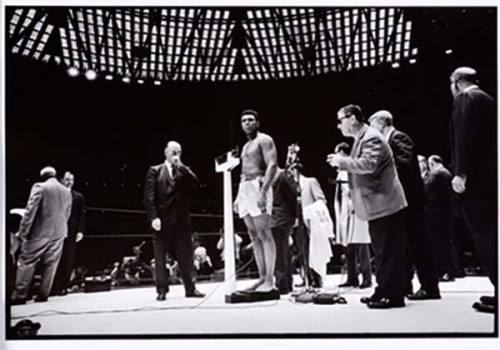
{"x":317,"y":219}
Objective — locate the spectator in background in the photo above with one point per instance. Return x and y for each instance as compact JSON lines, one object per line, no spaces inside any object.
{"x":424,"y":167}
{"x":351,"y":231}
{"x":319,"y":229}
{"x":439,"y":216}
{"x":202,"y":264}
{"x":237,"y":247}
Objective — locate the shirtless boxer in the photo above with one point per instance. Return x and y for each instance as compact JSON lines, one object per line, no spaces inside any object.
{"x":255,"y":198}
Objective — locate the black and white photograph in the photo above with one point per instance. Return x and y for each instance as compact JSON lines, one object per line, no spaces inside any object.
{"x":237,"y":171}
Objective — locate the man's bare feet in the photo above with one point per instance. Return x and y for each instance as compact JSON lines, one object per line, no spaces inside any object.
{"x":254,"y":286}
{"x":265,"y":287}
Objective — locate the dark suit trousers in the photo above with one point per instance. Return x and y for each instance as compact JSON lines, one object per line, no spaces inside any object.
{"x":177,"y":240}
{"x":388,"y":243}
{"x":419,"y":251}
{"x":63,"y":274}
{"x":282,"y":270}
{"x":358,"y":253}
{"x":480,"y":216}
{"x":47,"y":251}
{"x":439,"y":224}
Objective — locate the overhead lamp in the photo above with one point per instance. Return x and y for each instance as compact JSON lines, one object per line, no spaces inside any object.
{"x":73,"y":72}
{"x":90,"y":74}
{"x":449,"y":51}
{"x":108,"y":77}
{"x":395,"y":65}
{"x":157,"y":82}
{"x":126,"y":79}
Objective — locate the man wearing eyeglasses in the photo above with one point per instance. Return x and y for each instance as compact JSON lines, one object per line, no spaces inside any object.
{"x":378,"y":198}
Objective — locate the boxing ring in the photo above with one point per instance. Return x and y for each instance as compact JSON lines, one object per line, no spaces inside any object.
{"x":134,"y":312}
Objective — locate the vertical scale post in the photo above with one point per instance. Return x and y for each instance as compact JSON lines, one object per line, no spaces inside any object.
{"x":225,"y":164}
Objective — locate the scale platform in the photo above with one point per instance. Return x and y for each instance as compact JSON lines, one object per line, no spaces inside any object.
{"x":251,"y":297}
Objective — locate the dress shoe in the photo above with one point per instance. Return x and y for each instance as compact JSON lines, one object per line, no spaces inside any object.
{"x":63,"y":292}
{"x":365,"y":285}
{"x":40,"y":299}
{"x":423,"y":295}
{"x":446,"y":278}
{"x":161,"y":296}
{"x":366,"y":300}
{"x":18,"y":301}
{"x":195,"y":294}
{"x":349,"y":284}
{"x":481,"y":307}
{"x":487,"y":300}
{"x":386,"y":303}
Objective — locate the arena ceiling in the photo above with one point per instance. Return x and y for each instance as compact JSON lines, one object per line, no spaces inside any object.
{"x":156,"y":45}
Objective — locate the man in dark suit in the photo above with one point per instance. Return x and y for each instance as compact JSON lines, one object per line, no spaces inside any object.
{"x":378,"y":198}
{"x":439,"y":216}
{"x":283,"y":217}
{"x":166,"y":199}
{"x":473,"y":145}
{"x":42,"y":231}
{"x":75,"y":235}
{"x":418,"y":244}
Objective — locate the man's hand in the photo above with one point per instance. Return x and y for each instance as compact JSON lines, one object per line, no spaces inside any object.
{"x":333,"y":159}
{"x":156,"y":224}
{"x":235,"y":207}
{"x":79,"y":236}
{"x":261,"y":203}
{"x":458,"y":183}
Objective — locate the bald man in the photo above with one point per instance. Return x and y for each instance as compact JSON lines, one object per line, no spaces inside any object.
{"x":473,"y":138}
{"x":418,"y":243}
{"x":166,"y":199}
{"x":42,"y":231}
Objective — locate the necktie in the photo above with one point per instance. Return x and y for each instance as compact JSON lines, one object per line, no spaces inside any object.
{"x":174,"y":171}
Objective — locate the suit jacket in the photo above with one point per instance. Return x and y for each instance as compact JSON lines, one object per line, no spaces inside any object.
{"x":439,"y":191}
{"x":405,"y":158}
{"x":473,"y":140}
{"x":167,"y":198}
{"x":310,"y":190}
{"x":376,"y":191}
{"x":47,"y":211}
{"x":76,"y":221}
{"x":284,"y":200}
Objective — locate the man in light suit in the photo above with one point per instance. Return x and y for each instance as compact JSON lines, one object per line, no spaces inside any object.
{"x":166,"y":199}
{"x":473,"y":145}
{"x":42,"y":231}
{"x":310,"y":192}
{"x":378,"y":198}
{"x":419,"y":251}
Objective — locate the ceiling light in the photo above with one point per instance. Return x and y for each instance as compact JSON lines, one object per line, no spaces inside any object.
{"x":73,"y":71}
{"x":90,"y":74}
